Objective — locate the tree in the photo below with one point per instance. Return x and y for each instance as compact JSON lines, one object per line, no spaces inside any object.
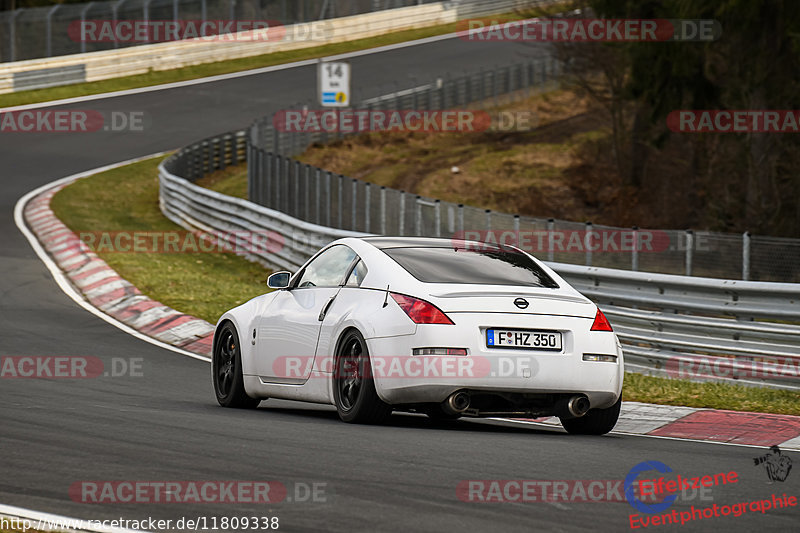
{"x":750,"y":177}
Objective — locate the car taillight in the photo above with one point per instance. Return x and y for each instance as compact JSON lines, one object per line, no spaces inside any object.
{"x":439,"y":351}
{"x":601,"y":322}
{"x":420,"y":311}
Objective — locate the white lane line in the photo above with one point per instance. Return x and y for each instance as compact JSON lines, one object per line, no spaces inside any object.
{"x":550,"y":426}
{"x":62,"y":281}
{"x":47,"y":521}
{"x":231,"y":75}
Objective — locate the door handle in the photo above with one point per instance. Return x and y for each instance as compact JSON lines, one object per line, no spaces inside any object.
{"x":325,"y":308}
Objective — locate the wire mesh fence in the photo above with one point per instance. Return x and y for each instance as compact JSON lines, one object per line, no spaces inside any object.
{"x":441,"y":94}
{"x":323,"y":197}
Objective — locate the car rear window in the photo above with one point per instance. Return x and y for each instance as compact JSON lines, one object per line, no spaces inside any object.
{"x":459,"y":265}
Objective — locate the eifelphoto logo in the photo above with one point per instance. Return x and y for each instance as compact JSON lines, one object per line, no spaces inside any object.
{"x":734,"y":121}
{"x":715,"y":511}
{"x":68,"y":367}
{"x":73,"y":121}
{"x":424,"y":120}
{"x":775,"y":463}
{"x":670,"y":488}
{"x":631,"y":479}
{"x":564,"y":29}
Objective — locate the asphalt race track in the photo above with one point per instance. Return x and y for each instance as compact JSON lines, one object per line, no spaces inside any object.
{"x":162,"y":423}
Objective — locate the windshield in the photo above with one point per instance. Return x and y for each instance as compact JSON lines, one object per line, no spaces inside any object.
{"x":484,"y":267}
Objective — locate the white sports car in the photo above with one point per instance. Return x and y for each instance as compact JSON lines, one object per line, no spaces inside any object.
{"x":447,"y":328}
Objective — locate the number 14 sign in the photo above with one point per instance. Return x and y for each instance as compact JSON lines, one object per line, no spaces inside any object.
{"x":333,"y":80}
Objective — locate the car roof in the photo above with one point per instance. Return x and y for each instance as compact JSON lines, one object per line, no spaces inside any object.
{"x":384,"y":243}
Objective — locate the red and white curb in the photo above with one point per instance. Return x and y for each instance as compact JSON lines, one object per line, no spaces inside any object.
{"x":95,"y":286}
{"x":108,"y":295}
{"x":739,"y":428}
{"x":106,"y":290}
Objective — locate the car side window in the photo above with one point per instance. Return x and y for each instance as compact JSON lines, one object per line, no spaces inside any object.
{"x":357,"y":275}
{"x":328,"y":269}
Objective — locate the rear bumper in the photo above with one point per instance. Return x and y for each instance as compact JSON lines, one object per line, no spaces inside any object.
{"x":426,"y":379}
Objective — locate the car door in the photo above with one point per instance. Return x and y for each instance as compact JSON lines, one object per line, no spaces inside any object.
{"x":348,"y":297}
{"x":288,"y":330}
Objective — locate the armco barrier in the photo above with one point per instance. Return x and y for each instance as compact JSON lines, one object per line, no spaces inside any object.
{"x":699,"y":328}
{"x":106,"y":64}
{"x":695,"y":328}
{"x":227,"y":218}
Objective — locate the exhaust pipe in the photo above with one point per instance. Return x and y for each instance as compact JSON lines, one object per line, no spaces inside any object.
{"x":573,"y":407}
{"x":456,"y":403}
{"x":578,"y":406}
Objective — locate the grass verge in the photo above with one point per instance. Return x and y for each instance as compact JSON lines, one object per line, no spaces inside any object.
{"x":667,"y":391}
{"x":232,"y":181}
{"x":126,"y":200}
{"x":542,"y":171}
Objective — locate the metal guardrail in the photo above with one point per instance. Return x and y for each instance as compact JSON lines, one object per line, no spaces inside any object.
{"x":301,"y":24}
{"x":699,"y":328}
{"x":276,"y":180}
{"x":241,"y":224}
{"x":694,"y":328}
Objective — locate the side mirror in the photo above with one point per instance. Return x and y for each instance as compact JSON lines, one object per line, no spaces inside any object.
{"x":279,"y":280}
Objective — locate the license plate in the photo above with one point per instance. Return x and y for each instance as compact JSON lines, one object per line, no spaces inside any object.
{"x":525,"y":339}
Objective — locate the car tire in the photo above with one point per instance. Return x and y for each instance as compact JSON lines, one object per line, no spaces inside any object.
{"x":354,"y":393}
{"x":595,"y":422}
{"x":226,"y":371}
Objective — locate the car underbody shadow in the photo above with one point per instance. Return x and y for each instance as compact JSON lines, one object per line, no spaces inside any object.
{"x":400,"y":419}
